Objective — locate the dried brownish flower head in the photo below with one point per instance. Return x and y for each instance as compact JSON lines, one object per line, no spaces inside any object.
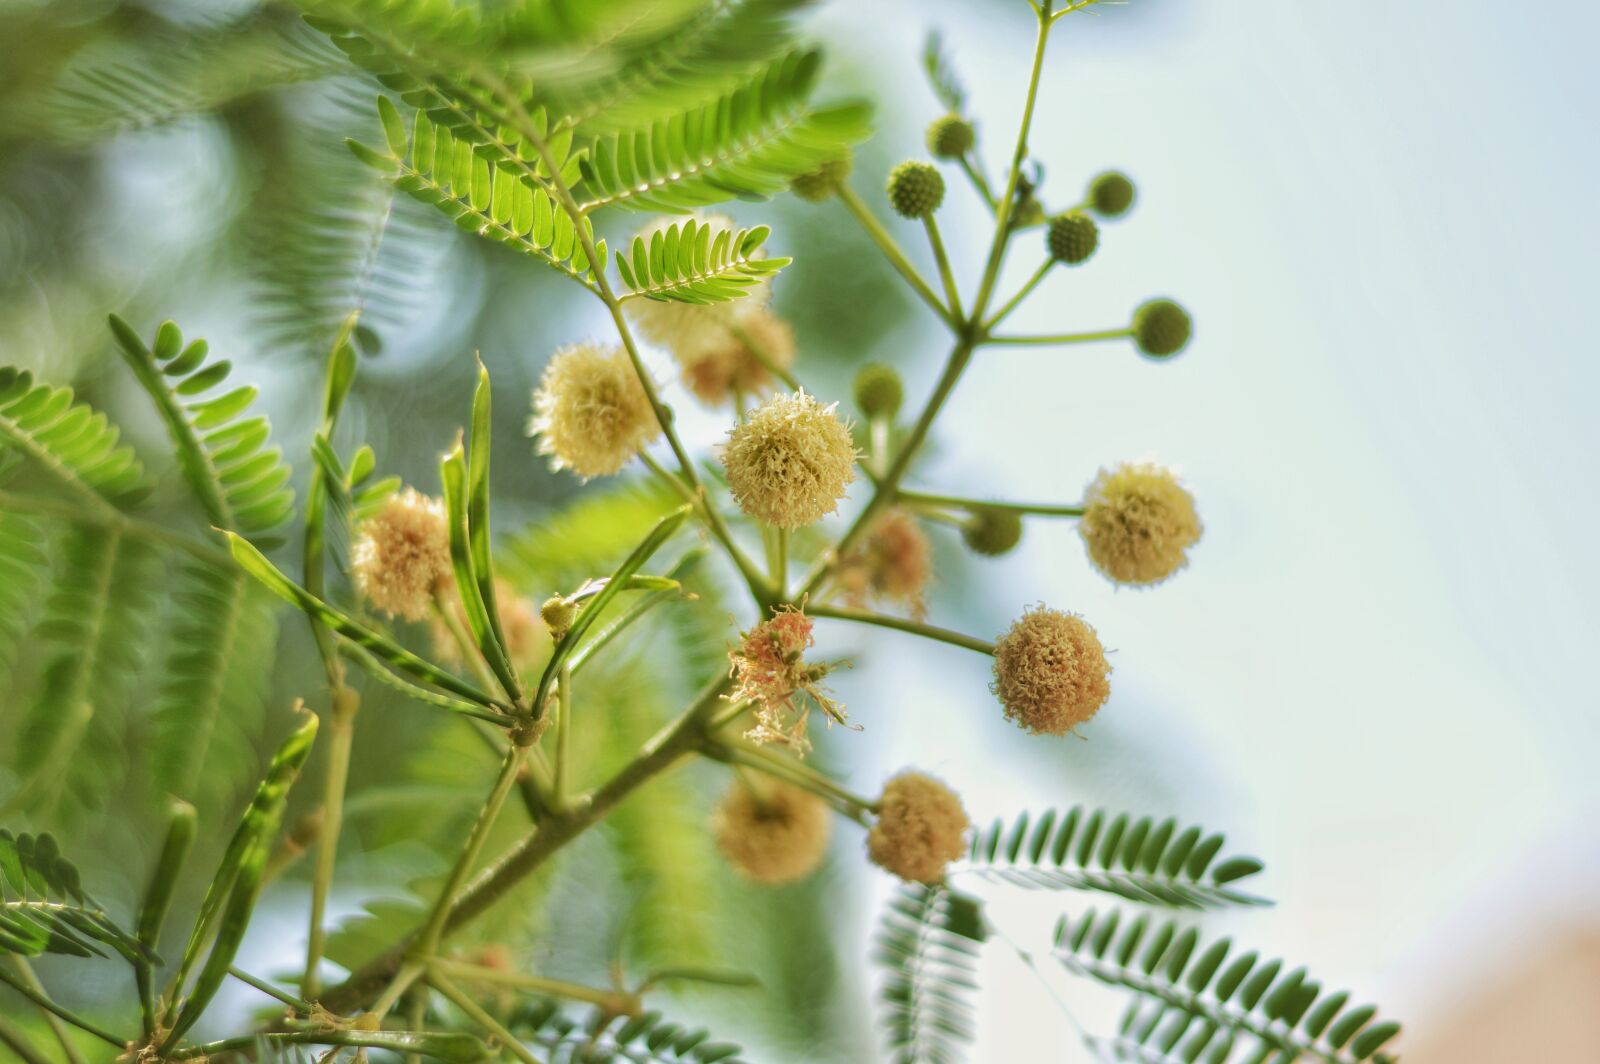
{"x":775,"y":834}
{"x":1139,"y":524}
{"x":1050,"y":671}
{"x":893,"y":563}
{"x":590,"y":411}
{"x":402,"y":555}
{"x":769,"y":670}
{"x":716,"y":372}
{"x":921,"y":828}
{"x":790,"y":462}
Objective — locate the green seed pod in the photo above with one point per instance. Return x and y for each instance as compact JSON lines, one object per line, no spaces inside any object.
{"x":951,"y":137}
{"x":878,"y":390}
{"x":992,"y":533}
{"x":1072,"y":237}
{"x":1111,"y":194}
{"x":822,"y":182}
{"x":915,"y":189}
{"x":1161,"y":328}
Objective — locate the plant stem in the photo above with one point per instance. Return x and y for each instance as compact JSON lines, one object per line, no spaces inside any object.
{"x":979,"y":182}
{"x":19,"y":1044}
{"x":1038,"y":509}
{"x":302,"y":1007}
{"x":39,"y":998}
{"x":780,"y":562}
{"x":606,"y":999}
{"x":928,"y":631}
{"x":1022,"y":293}
{"x":346,"y":703}
{"x":25,"y":973}
{"x":892,"y":252}
{"x":477,"y":1014}
{"x":762,"y":356}
{"x":946,"y":274}
{"x":563,"y":724}
{"x":640,"y":607}
{"x":1065,"y":338}
{"x":115,"y":520}
{"x":794,"y":771}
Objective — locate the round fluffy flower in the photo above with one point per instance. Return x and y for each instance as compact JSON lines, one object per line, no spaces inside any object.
{"x":921,"y":828}
{"x":992,"y":532}
{"x":402,"y":554}
{"x":1050,"y":671}
{"x":716,"y":371}
{"x":1161,"y":328}
{"x":915,"y":189}
{"x":591,"y":413}
{"x":1111,"y":194}
{"x":775,"y":836}
{"x":790,"y":463}
{"x":1072,"y":237}
{"x":894,"y":562}
{"x":1138,"y":523}
{"x":822,"y":182}
{"x":686,"y":328}
{"x":950,"y":137}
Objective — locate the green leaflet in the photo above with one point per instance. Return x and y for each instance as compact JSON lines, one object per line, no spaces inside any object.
{"x":747,"y":144}
{"x":481,"y":618}
{"x":75,"y":444}
{"x":231,"y":898}
{"x":44,"y":909}
{"x":240,"y":481}
{"x":1191,"y":1000}
{"x":692,"y":262}
{"x":1140,"y":860}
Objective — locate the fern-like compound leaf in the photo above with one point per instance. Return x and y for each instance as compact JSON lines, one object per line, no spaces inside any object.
{"x":75,"y":444}
{"x":747,"y":144}
{"x":242,"y":483}
{"x":24,"y":567}
{"x":1141,"y":860}
{"x":643,"y":1039}
{"x":928,"y":942}
{"x":941,"y":74}
{"x":692,"y":262}
{"x":1204,"y":1001}
{"x":44,"y":908}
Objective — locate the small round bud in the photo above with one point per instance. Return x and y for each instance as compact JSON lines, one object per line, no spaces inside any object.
{"x":402,"y":555}
{"x":991,"y":532}
{"x":590,"y":411}
{"x":1072,"y":237}
{"x":1111,"y":194}
{"x":915,"y":189}
{"x":1050,"y":672}
{"x":775,"y":836}
{"x":951,"y":137}
{"x":558,"y":615}
{"x":790,"y":462}
{"x":878,"y":390}
{"x":822,"y":182}
{"x":1138,"y":523}
{"x":921,"y":828}
{"x":1161,"y":328}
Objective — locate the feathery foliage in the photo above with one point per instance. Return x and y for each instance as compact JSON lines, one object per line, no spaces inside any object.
{"x":1138,"y":859}
{"x":70,"y":440}
{"x":691,"y":262}
{"x":928,"y":941}
{"x":44,"y":909}
{"x":643,"y":1039}
{"x":24,"y":567}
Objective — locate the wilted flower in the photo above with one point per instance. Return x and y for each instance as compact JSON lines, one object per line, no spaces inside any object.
{"x":402,"y":555}
{"x":769,"y":670}
{"x":790,"y":462}
{"x":894,"y":562}
{"x":921,"y":828}
{"x":591,"y":413}
{"x":1050,"y":671}
{"x":715,"y":372}
{"x":773,"y":835}
{"x":1138,"y":523}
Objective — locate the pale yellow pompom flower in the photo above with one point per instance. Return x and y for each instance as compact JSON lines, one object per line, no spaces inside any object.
{"x":790,"y":463}
{"x":775,"y":835}
{"x":402,"y":555}
{"x":1050,"y":671}
{"x":686,"y":329}
{"x":718,"y":371}
{"x":1139,"y":524}
{"x":921,"y":828}
{"x":591,"y":413}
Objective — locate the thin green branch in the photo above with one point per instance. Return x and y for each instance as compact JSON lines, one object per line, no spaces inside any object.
{"x":951,"y":293}
{"x":24,"y":972}
{"x":480,"y":1016}
{"x":1022,"y":293}
{"x":19,"y":1044}
{"x":762,"y":355}
{"x":979,"y":182}
{"x":346,"y":703}
{"x":891,"y":251}
{"x":42,"y":1000}
{"x":299,"y":1005}
{"x":1065,"y":338}
{"x":563,"y":726}
{"x":612,"y":1000}
{"x":1037,"y":509}
{"x":943,"y":635}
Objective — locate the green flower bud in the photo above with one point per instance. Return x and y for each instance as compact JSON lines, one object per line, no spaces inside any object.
{"x":558,"y":615}
{"x":822,"y":182}
{"x":878,"y":390}
{"x":1072,"y":237}
{"x":992,"y":533}
{"x":915,"y":189}
{"x":1111,"y":194}
{"x":951,"y":137}
{"x":1161,"y":328}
